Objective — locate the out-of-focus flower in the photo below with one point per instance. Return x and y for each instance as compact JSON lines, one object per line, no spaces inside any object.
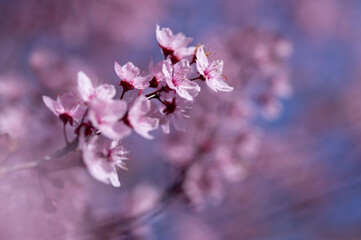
{"x":53,"y":63}
{"x":156,"y":73}
{"x":130,"y":77}
{"x":203,"y":185}
{"x":174,"y":111}
{"x":212,"y":72}
{"x":138,"y":117}
{"x":174,"y":46}
{"x":143,"y":199}
{"x":105,"y":115}
{"x":102,"y":156}
{"x":13,"y":87}
{"x":176,"y":77}
{"x":66,"y":107}
{"x":88,"y":91}
{"x":232,"y":168}
{"x":179,"y":151}
{"x":271,"y":106}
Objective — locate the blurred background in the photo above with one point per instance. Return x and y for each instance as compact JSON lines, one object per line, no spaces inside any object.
{"x":300,"y":175}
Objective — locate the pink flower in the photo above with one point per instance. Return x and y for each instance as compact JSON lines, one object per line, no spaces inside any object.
{"x":88,"y":127}
{"x":16,"y":121}
{"x":271,"y":106}
{"x":66,"y":107}
{"x":156,"y":73}
{"x":129,"y":75}
{"x":143,"y":199}
{"x":138,"y":118}
{"x":180,"y":149}
{"x":174,"y":112}
{"x":88,"y":91}
{"x":176,"y":78}
{"x":229,"y":165}
{"x":102,"y":156}
{"x":203,"y":185}
{"x":174,"y":46}
{"x":106,"y":115}
{"x":211,"y":72}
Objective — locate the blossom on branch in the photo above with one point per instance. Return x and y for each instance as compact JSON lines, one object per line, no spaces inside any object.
{"x":156,"y":74}
{"x":101,"y":121}
{"x":105,"y":115}
{"x":88,"y":91}
{"x":130,"y":77}
{"x":176,"y":77}
{"x":211,"y":72}
{"x":173,"y":111}
{"x":66,"y":107}
{"x":102,"y":156}
{"x":174,"y":46}
{"x":138,"y":117}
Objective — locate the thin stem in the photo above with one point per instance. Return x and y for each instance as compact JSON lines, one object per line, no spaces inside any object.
{"x":121,"y":97}
{"x":85,"y":113}
{"x":196,"y":78}
{"x":151,"y":95}
{"x":65,"y":134}
{"x":124,"y":225}
{"x":34,"y":164}
{"x":193,"y":60}
{"x":160,"y":100}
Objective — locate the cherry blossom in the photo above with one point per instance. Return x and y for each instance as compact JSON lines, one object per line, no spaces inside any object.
{"x":156,"y":73}
{"x":173,"y":111}
{"x":15,"y":122}
{"x":138,"y":117}
{"x":105,"y":115}
{"x":203,"y":185}
{"x":102,"y":156}
{"x":211,"y":72}
{"x":88,"y":91}
{"x":218,"y":146}
{"x":176,"y":77}
{"x":66,"y":107}
{"x":107,"y":121}
{"x":174,"y":46}
{"x":130,"y":77}
{"x":88,"y":127}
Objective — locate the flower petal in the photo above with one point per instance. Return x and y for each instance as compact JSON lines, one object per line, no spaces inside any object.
{"x":85,"y":87}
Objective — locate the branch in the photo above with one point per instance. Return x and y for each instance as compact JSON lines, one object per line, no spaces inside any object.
{"x":34,"y":164}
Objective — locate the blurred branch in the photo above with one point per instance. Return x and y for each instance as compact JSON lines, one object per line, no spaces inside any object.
{"x":123,"y":226}
{"x":71,"y":146}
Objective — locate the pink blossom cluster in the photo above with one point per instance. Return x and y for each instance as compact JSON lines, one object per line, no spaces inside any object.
{"x":157,"y":99}
{"x":257,"y":66}
{"x":222,"y":140}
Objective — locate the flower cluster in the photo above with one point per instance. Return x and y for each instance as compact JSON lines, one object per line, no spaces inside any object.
{"x":222,"y":138}
{"x":260,"y":58}
{"x":161,"y":98}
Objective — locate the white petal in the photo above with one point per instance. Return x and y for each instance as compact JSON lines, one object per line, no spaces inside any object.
{"x":119,"y":70}
{"x":105,"y":91}
{"x":164,"y":36}
{"x":54,"y":106}
{"x":142,"y":82}
{"x":114,"y":180}
{"x":202,"y":61}
{"x":85,"y":87}
{"x":217,"y":84}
